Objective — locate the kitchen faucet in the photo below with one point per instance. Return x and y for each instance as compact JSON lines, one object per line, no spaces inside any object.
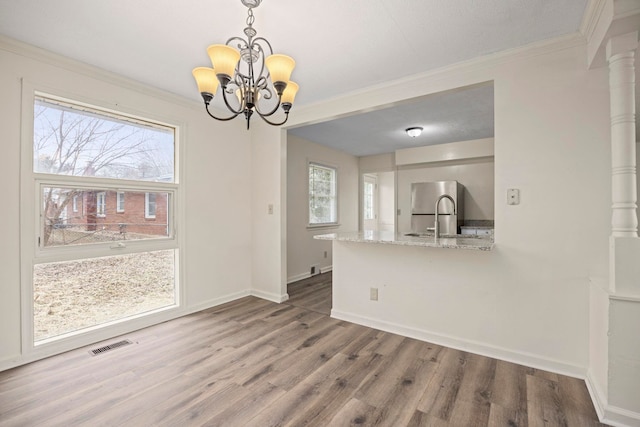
{"x":437,"y":224}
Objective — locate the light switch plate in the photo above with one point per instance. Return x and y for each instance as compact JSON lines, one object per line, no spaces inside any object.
{"x":513,"y":196}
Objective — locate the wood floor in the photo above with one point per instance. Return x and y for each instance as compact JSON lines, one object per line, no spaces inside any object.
{"x":255,"y":363}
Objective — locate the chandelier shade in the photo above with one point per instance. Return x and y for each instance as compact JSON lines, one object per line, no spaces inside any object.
{"x":247,"y":71}
{"x":224,"y":59}
{"x":206,"y":79}
{"x":289,"y":93}
{"x":280,"y":67}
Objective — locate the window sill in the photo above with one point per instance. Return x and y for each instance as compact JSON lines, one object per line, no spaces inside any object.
{"x":322,"y":226}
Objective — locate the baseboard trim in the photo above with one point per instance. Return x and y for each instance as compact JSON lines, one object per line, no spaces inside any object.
{"x":598,"y":398}
{"x":619,"y":417}
{"x":303,"y":276}
{"x":297,"y":277}
{"x":269,"y":296}
{"x":217,"y":301}
{"x":608,"y":414}
{"x":495,"y":352}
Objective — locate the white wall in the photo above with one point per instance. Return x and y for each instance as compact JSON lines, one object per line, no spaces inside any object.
{"x":216,"y":182}
{"x":528,"y":298}
{"x":551,"y":142}
{"x":302,"y":250}
{"x":268,"y":230}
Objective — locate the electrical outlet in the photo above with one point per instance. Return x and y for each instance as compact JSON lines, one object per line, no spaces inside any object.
{"x":373,"y":294}
{"x":325,"y":254}
{"x":270,"y":209}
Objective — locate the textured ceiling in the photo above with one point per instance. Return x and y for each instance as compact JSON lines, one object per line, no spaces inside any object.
{"x":340,"y":46}
{"x":457,"y":115}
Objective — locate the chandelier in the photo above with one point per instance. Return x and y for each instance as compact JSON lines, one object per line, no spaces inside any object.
{"x":246,"y":87}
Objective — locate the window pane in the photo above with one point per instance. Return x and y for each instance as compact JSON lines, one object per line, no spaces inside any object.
{"x":72,"y":295}
{"x":368,"y":200}
{"x":322,"y":195}
{"x":76,"y":141}
{"x":96,"y":218}
{"x":120,"y":202}
{"x":150,"y":205}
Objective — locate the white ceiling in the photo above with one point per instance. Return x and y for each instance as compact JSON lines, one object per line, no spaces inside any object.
{"x":339,"y":45}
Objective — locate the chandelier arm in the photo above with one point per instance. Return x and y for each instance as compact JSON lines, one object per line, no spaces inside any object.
{"x":270,"y":113}
{"x":286,"y":117}
{"x":257,"y":39}
{"x":222,"y":119}
{"x":244,"y":42}
{"x":226,"y":102}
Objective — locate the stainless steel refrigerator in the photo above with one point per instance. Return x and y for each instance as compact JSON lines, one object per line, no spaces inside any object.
{"x":424,"y":196}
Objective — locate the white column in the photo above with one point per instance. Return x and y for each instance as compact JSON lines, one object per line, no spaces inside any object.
{"x":620,"y":55}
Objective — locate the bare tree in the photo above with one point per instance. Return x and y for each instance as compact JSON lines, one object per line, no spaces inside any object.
{"x":83,"y":144}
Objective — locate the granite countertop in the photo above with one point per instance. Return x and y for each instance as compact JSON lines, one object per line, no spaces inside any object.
{"x":482,"y":243}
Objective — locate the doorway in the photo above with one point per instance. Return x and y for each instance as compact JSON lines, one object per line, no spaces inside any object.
{"x":378,"y":201}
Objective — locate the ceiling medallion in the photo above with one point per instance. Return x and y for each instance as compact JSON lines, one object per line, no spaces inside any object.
{"x":246,"y":86}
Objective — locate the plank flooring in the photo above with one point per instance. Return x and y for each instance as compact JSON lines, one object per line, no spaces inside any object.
{"x":255,"y":363}
{"x":313,"y":293}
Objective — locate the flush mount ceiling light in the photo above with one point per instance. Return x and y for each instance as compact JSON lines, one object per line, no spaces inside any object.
{"x":414,"y":131}
{"x":246,"y":87}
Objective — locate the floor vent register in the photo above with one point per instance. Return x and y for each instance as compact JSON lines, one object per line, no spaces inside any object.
{"x":109,"y":347}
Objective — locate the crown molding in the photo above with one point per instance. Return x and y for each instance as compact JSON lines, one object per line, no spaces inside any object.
{"x":590,"y":18}
{"x":347,"y":104}
{"x":54,"y":59}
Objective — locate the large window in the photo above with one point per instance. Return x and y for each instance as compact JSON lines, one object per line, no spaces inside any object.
{"x":95,"y":262}
{"x":323,"y":195}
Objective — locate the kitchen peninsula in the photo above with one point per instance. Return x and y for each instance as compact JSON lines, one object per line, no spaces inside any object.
{"x":449,"y":291}
{"x":483,"y":243}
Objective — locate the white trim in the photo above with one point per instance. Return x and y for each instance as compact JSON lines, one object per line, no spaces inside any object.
{"x":298,"y":277}
{"x":482,"y":349}
{"x":30,"y":251}
{"x":619,"y":417}
{"x":336,"y":195}
{"x":101,"y":204}
{"x":269,"y":296}
{"x":598,"y":397}
{"x":590,"y":18}
{"x":306,"y":275}
{"x":120,"y":206}
{"x":30,"y":51}
{"x":396,"y":91}
{"x":217,"y":301}
{"x":609,"y":414}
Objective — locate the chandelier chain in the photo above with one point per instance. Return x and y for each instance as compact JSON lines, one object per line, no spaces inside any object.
{"x":250,"y":18}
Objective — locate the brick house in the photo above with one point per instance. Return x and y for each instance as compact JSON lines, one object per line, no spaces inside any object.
{"x":124,"y":212}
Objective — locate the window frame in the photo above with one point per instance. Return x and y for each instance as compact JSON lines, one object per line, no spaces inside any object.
{"x":32,"y":253}
{"x":101,"y":204}
{"x":336,"y":198}
{"x":120,"y":203}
